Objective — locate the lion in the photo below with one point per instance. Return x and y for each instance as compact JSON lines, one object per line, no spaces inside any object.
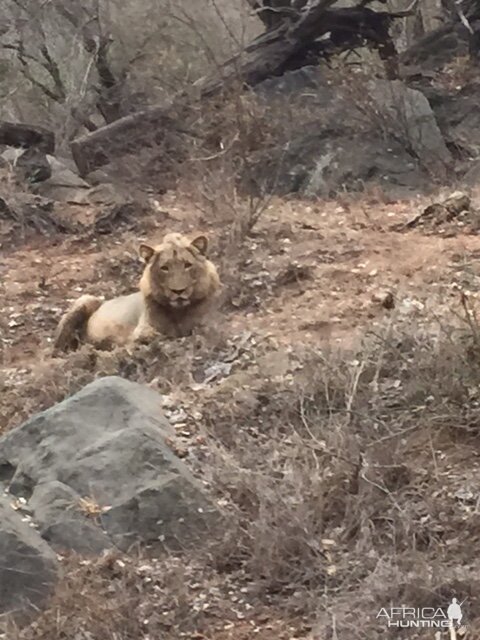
{"x":177,"y":289}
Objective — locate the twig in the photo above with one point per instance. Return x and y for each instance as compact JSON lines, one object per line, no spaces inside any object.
{"x":353,"y":392}
{"x":397,"y":434}
{"x":470,"y":317}
{"x":318,"y":445}
{"x":383,"y":490}
{"x":222,"y":152}
{"x":334,"y":627}
{"x":463,"y":18}
{"x":453,"y":633}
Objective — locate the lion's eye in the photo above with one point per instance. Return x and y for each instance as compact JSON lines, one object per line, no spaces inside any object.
{"x":165,"y":267}
{"x":188,"y":265}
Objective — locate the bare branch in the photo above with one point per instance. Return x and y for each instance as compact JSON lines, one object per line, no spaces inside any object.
{"x":51,"y":66}
{"x":462,"y":17}
{"x":292,"y":42}
{"x":58,"y":93}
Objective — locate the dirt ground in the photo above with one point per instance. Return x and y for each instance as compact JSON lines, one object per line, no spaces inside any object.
{"x":311,"y":276}
{"x":314,"y":273}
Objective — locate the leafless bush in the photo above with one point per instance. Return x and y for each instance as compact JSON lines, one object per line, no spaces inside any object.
{"x":393,"y":113}
{"x":337,"y":485}
{"x":84,"y":66}
{"x":324,"y":471}
{"x":339,"y":492}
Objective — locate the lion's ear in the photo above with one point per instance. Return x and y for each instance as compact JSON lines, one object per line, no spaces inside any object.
{"x":201,"y":244}
{"x":146,"y":252}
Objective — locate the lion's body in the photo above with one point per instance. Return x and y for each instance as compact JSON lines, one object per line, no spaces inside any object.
{"x":117,"y":317}
{"x":177,"y":290}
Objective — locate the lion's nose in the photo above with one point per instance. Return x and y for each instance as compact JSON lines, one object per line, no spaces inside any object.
{"x":178,"y":291}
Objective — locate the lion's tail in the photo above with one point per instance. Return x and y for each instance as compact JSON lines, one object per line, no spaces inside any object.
{"x":71,"y":327}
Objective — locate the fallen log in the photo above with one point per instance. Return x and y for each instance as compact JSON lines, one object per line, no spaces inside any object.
{"x":143,"y":128}
{"x":14,"y":134}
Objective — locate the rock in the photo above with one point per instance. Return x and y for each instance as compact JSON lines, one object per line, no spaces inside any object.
{"x":321,"y":164}
{"x":362,"y":159}
{"x":392,"y":139}
{"x":437,"y":214}
{"x":384,"y":298}
{"x":63,"y":184}
{"x":28,"y":569}
{"x":56,"y":510}
{"x":5,"y":210}
{"x":59,"y":165}
{"x":104,"y":452}
{"x":106,"y":194}
{"x":292,"y":82}
{"x":30,"y":166}
{"x":33,"y":166}
{"x":99,"y":176}
{"x":472,"y":176}
{"x":115,"y":207}
{"x":407,"y":113}
{"x":435,"y":52}
{"x":459,"y":119}
{"x":10,"y":155}
{"x":27,"y":213}
{"x":48,"y":176}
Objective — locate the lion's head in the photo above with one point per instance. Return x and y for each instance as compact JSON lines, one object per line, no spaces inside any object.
{"x":178,"y":273}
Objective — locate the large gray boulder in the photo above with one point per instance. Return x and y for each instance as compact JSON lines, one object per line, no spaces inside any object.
{"x":318,"y":164}
{"x":28,"y":567}
{"x":458,"y":117}
{"x":407,"y":115}
{"x":96,"y":471}
{"x":346,"y":137}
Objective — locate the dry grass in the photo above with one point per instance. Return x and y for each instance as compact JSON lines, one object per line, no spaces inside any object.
{"x":348,"y":476}
{"x":348,"y":481}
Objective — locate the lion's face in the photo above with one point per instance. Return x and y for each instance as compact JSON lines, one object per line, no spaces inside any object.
{"x":176,"y":270}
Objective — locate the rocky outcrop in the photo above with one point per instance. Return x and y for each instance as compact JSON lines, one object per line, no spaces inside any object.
{"x":96,"y":471}
{"x":415,"y":121}
{"x":28,"y":568}
{"x":388,"y":134}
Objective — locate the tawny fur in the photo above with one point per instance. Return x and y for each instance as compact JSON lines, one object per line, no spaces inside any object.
{"x":72,"y":326}
{"x":177,"y":290}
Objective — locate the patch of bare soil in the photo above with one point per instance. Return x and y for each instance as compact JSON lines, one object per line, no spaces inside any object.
{"x":333,"y":409}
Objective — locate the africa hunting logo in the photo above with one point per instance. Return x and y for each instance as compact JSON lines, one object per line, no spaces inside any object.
{"x":426,"y":617}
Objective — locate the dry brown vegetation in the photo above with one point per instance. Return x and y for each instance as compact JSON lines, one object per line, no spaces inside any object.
{"x":332,"y":409}
{"x":338,"y":436}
